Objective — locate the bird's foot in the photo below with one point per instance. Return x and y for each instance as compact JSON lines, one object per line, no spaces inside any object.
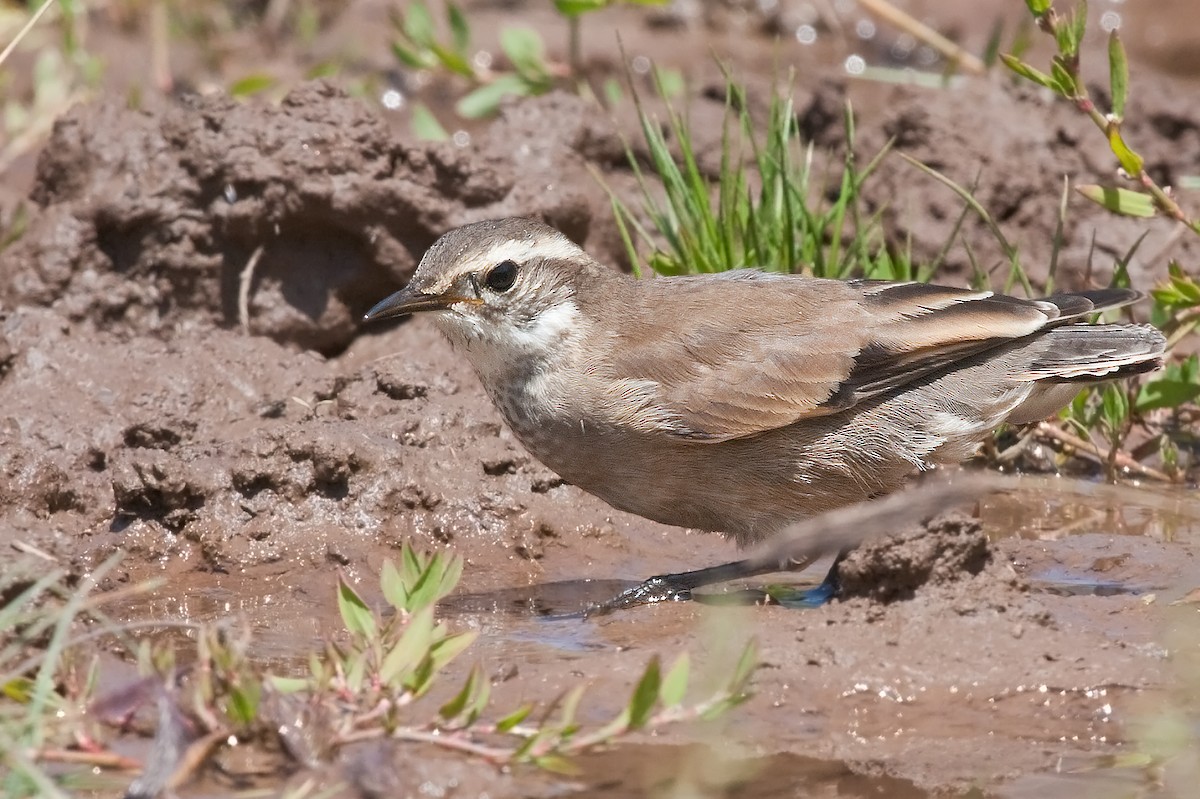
{"x":814,"y":597}
{"x":649,"y":592}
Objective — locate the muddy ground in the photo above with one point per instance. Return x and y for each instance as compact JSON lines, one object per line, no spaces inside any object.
{"x":183,"y":377}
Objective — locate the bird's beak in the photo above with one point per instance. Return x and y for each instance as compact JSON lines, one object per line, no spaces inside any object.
{"x":408,"y":301}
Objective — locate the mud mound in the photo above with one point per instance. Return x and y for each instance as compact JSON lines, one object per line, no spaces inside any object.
{"x":947,"y":549}
{"x":151,"y":220}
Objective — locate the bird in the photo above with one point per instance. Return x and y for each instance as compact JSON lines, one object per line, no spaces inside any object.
{"x":744,"y":401}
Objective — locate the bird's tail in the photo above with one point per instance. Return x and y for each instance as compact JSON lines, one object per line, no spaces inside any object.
{"x":1092,"y":353}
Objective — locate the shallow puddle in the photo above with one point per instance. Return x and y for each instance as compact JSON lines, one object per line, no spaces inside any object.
{"x":919,"y":698}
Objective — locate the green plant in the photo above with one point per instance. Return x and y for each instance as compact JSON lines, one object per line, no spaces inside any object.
{"x":389,"y":665}
{"x":574,"y":11}
{"x":418,"y":45}
{"x":1066,"y":80}
{"x":532,"y":75}
{"x":46,"y":680}
{"x":778,"y":220}
{"x":372,"y":682}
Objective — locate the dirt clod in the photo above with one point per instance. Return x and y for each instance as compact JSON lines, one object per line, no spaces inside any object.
{"x":947,"y":549}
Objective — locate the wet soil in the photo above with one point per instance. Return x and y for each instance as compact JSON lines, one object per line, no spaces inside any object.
{"x":183,"y":378}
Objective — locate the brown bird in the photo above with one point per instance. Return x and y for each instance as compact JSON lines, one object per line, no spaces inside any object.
{"x":742,"y":402}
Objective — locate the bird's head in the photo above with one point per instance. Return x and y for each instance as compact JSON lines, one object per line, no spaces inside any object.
{"x":503,"y":289}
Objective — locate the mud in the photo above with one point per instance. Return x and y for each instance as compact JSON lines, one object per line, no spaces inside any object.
{"x":183,"y":377}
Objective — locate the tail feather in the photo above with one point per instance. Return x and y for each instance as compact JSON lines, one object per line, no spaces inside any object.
{"x":1092,"y":353}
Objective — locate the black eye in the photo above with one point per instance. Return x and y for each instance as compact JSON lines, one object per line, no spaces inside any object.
{"x":502,"y":276}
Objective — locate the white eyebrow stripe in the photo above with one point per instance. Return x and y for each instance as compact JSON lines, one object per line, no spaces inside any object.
{"x":522,"y":250}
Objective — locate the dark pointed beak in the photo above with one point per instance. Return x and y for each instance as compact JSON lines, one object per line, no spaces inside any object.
{"x":407,"y":301}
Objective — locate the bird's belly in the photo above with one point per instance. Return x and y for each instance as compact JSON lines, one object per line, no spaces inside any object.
{"x":746,"y":489}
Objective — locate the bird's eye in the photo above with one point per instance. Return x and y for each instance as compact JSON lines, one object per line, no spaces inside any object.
{"x":502,"y":276}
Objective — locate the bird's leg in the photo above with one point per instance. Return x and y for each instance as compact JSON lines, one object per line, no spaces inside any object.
{"x":678,"y":587}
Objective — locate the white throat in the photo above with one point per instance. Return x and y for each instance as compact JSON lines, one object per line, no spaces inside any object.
{"x":498,"y":350}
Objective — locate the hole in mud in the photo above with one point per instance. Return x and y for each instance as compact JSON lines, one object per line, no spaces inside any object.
{"x":122,"y":242}
{"x":250,"y":485}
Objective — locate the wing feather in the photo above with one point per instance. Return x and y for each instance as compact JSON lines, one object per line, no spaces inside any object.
{"x":735,"y":355}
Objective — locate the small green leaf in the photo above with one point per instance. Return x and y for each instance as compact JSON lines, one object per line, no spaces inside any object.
{"x":356,"y":672}
{"x":412,"y":565}
{"x":1038,"y":7}
{"x":440,"y":576}
{"x":252,"y":85}
{"x":573,"y":8}
{"x":390,"y":581}
{"x":670,"y":83}
{"x":525,"y":50}
{"x":357,"y":617}
{"x":1118,"y":73}
{"x":465,"y":705}
{"x":243,"y":701}
{"x":410,"y":650}
{"x":1180,"y":290}
{"x":645,"y":695}
{"x":1131,"y":162}
{"x":1069,"y":31}
{"x":570,"y":706}
{"x":451,"y":573}
{"x":510,"y":721}
{"x":289,"y":685}
{"x":453,"y":61}
{"x":745,"y":668}
{"x":459,"y":29}
{"x":1165,"y":394}
{"x":1114,"y":407}
{"x":613,"y":93}
{"x":19,"y":689}
{"x":1063,"y":79}
{"x":425,"y":125}
{"x":413,"y":58}
{"x":674,"y":685}
{"x":1028,"y":72}
{"x":418,"y":24}
{"x":1119,"y":201}
{"x":451,"y":647}
{"x":487,"y":98}
{"x":1179,"y":385}
{"x":1078,"y":24}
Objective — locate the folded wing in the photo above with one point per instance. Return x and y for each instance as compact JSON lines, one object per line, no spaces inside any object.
{"x":779,"y":349}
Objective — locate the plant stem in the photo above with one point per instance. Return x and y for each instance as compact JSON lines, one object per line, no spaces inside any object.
{"x":574,"y":45}
{"x":25,"y":29}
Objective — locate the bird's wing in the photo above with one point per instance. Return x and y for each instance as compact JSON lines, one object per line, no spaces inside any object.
{"x":780,"y":349}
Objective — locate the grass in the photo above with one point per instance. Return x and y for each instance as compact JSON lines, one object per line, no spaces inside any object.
{"x":46,"y":680}
{"x":373,"y":681}
{"x":772,"y":216}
